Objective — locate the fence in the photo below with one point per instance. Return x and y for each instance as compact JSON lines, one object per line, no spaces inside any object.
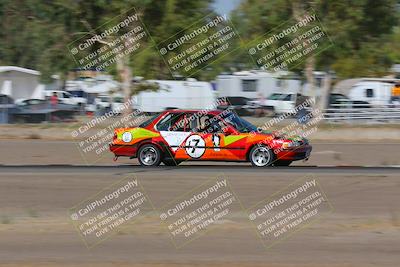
{"x":361,"y":113}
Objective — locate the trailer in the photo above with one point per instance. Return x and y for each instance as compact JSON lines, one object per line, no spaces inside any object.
{"x":188,"y":94}
{"x":378,"y":92}
{"x":256,"y":84}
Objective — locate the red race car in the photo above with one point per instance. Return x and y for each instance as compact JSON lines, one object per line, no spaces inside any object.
{"x":175,"y":136}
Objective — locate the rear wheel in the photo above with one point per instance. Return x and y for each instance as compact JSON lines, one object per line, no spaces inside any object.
{"x":261,"y":156}
{"x":171,"y":162}
{"x":149,"y":155}
{"x":282,"y":162}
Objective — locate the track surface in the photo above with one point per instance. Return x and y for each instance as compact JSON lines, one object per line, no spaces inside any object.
{"x":195,"y":169}
{"x":35,"y":229}
{"x":36,"y":193}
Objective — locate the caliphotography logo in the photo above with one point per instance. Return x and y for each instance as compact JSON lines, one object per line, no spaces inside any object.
{"x":290,"y":43}
{"x":101,"y":48}
{"x":289,"y":210}
{"x":103,"y":214}
{"x":202,"y":43}
{"x":193,"y":214}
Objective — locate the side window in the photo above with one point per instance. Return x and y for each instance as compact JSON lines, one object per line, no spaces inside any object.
{"x":249,"y":85}
{"x":287,"y":98}
{"x":65,"y":95}
{"x":179,"y":124}
{"x":172,"y":122}
{"x":369,"y":92}
{"x":216,"y":125}
{"x":195,"y":123}
{"x":207,"y":124}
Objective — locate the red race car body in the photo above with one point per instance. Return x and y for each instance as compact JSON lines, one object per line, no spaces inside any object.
{"x":179,"y":135}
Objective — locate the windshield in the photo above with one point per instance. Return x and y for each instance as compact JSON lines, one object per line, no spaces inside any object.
{"x":237,"y":100}
{"x":104,"y":98}
{"x":76,"y":93}
{"x":238,"y":123}
{"x":118,"y":99}
{"x":275,"y":96}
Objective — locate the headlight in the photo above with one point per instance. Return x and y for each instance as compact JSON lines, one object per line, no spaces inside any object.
{"x":287,"y":145}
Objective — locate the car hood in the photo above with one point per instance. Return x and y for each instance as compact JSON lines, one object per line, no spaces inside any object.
{"x":284,"y":136}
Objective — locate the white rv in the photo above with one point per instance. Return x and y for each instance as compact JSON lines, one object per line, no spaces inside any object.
{"x":256,"y":84}
{"x":189,"y":94}
{"x":377,"y":92}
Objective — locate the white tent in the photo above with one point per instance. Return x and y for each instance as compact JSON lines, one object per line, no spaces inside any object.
{"x":20,"y":83}
{"x":102,"y":88}
{"x":38,"y":93}
{"x":6,"y":88}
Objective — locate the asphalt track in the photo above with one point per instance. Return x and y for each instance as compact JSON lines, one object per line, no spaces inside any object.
{"x":204,"y":168}
{"x":363,"y":229}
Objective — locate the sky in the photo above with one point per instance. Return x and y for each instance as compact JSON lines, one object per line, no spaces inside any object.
{"x":225,"y":6}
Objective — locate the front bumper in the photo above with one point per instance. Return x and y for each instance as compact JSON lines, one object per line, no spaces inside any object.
{"x":298,"y":153}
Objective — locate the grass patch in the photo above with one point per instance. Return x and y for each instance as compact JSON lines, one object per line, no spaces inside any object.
{"x":32,"y":213}
{"x":5,"y":219}
{"x":34,"y":136}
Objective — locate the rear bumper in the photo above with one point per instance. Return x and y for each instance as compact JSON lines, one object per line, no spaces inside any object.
{"x":123,"y":150}
{"x":299,"y":153}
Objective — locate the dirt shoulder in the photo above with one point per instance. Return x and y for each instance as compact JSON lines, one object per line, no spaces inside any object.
{"x":35,"y":229}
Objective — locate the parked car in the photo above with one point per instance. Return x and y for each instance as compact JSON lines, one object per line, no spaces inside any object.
{"x":243,"y":106}
{"x":342,"y":101}
{"x":106,"y":102}
{"x":64,"y":97}
{"x":179,"y":135}
{"x":283,"y":102}
{"x":80,"y":97}
{"x":38,"y":110}
{"x":7,"y":107}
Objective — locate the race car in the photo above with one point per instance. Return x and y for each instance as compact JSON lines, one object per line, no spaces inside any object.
{"x":175,"y":136}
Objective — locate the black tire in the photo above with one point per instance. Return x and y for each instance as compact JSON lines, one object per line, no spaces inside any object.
{"x":261,"y":156}
{"x":171,"y":162}
{"x":282,"y":162}
{"x":149,"y":155}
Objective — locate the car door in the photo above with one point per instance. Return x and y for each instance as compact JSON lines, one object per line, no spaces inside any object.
{"x":200,"y":138}
{"x":173,"y":129}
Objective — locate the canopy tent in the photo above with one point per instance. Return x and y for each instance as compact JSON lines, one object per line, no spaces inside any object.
{"x":20,"y":83}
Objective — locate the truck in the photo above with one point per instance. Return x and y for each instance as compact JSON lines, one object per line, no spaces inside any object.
{"x":64,"y":97}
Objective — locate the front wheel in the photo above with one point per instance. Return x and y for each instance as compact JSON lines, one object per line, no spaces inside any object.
{"x":149,"y":155}
{"x":261,"y":156}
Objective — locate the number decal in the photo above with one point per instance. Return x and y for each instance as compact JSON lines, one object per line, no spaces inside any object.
{"x":195,"y":146}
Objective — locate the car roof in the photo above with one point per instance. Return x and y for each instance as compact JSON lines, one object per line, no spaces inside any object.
{"x":211,"y":111}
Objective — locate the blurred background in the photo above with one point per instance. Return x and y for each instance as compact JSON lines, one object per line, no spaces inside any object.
{"x":354,"y":79}
{"x":47,"y":96}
